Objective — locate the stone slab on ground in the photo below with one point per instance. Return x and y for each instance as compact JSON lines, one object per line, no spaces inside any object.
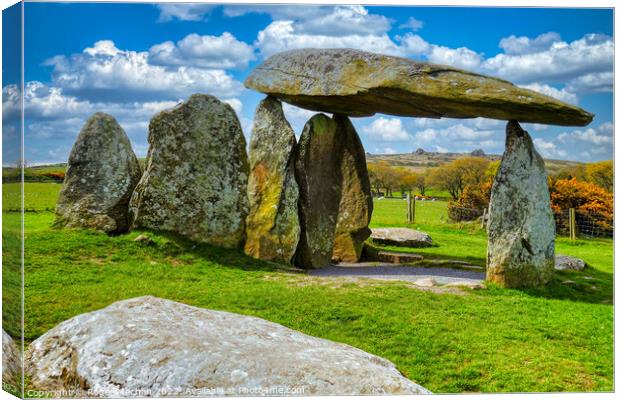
{"x":563,"y":263}
{"x":442,"y":276}
{"x":161,"y":347}
{"x":403,"y":237}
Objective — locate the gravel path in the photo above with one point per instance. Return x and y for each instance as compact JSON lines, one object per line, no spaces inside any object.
{"x":401,"y":273}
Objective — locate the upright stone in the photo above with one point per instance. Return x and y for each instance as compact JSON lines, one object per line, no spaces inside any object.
{"x":272,"y":226}
{"x":355,"y":207}
{"x":101,"y":176}
{"x":521,"y":228}
{"x":318,"y":172}
{"x":195,"y":182}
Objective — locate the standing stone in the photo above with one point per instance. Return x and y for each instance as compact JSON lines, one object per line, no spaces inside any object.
{"x":195,"y":182}
{"x":521,"y":228}
{"x":272,"y":226}
{"x":101,"y":176}
{"x":318,"y":172}
{"x":355,"y":207}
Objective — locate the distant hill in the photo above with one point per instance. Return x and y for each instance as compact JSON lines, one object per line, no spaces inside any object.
{"x":420,"y":160}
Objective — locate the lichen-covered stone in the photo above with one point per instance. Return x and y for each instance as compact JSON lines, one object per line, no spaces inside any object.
{"x":358,"y":83}
{"x":272,"y":226}
{"x":521,"y":228}
{"x":319,"y":176}
{"x":11,"y":364}
{"x":101,"y":176}
{"x":151,"y":347}
{"x":195,"y":182}
{"x":355,"y":208}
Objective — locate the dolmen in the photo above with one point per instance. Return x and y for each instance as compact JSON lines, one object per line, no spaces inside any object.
{"x":308,"y":202}
{"x":351,"y":83}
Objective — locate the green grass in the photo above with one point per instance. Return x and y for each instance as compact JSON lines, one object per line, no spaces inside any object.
{"x":558,"y":338}
{"x":38,"y":196}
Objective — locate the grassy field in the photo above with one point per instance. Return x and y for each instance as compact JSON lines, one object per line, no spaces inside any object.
{"x":558,"y":338}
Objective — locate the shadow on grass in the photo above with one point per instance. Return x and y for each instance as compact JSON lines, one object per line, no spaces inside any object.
{"x":174,"y":245}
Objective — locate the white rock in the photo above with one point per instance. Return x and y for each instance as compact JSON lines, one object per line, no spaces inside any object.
{"x":425,"y":282}
{"x":159,"y":347}
{"x":404,"y":237}
{"x":467,"y":284}
{"x":563,"y":262}
{"x":11,"y":363}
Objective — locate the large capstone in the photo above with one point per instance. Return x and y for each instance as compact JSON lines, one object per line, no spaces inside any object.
{"x":272,"y":226}
{"x":195,"y":182}
{"x":355,"y":207}
{"x":101,"y":176}
{"x":521,"y":228}
{"x":358,"y":83}
{"x":319,"y":175}
{"x":151,"y":347}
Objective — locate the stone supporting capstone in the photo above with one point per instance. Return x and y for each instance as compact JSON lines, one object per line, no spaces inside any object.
{"x":272,"y":225}
{"x":355,"y":208}
{"x":521,"y":228}
{"x":319,"y":176}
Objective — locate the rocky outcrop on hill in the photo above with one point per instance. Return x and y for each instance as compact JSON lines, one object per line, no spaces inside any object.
{"x":521,"y":228}
{"x":195,"y":182}
{"x":152,"y":347}
{"x":272,"y":225}
{"x":101,"y":176}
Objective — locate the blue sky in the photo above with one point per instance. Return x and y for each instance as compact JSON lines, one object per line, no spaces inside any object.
{"x":133,"y":60}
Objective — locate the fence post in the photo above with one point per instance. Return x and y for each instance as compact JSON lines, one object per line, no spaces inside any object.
{"x":572,"y":224}
{"x":412,"y":209}
{"x":409,"y":216}
{"x":483,"y":220}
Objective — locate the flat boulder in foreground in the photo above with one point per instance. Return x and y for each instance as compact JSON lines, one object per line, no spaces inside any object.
{"x":358,"y":83}
{"x":156,"y":347}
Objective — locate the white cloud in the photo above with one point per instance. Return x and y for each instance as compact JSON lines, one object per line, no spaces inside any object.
{"x":456,"y":132}
{"x":560,"y":94}
{"x":413,"y":24}
{"x":284,"y":35}
{"x":601,"y":135}
{"x":593,"y":82}
{"x":548,"y":149}
{"x":106,"y":73}
{"x":183,"y":12}
{"x":525,"y":45}
{"x":219,"y":52}
{"x":345,"y":20}
{"x":235,"y":104}
{"x":461,"y":57}
{"x":559,"y":62}
{"x":387,"y":130}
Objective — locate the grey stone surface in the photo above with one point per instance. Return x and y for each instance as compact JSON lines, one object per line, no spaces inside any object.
{"x":358,"y":83}
{"x":521,"y":228}
{"x":272,"y":225}
{"x":101,"y":175}
{"x":159,"y":347}
{"x":195,"y":182}
{"x":403,"y":237}
{"x":318,"y":173}
{"x":11,"y":362}
{"x":355,"y":210}
{"x":563,"y":263}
